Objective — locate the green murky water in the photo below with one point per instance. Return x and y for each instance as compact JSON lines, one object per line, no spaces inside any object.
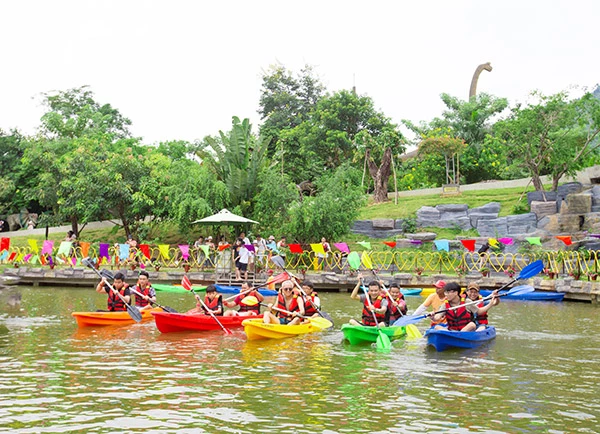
{"x":539,"y":375}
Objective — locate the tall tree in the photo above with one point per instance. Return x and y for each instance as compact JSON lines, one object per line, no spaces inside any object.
{"x":552,"y":135}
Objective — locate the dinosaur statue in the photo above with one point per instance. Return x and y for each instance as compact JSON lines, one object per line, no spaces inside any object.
{"x":480,"y":68}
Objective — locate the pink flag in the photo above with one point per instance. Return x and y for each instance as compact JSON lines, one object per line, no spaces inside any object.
{"x":185,"y":251}
{"x":506,"y":241}
{"x":342,"y":247}
{"x":47,"y":247}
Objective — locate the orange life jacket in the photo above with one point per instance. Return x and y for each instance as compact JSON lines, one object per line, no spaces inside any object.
{"x":367,"y":315}
{"x":309,"y":304}
{"x":457,"y":318}
{"x":115,"y":304}
{"x":214,"y":304}
{"x":293,"y":307}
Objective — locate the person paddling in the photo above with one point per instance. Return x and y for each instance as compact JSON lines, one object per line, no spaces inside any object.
{"x":114,"y":302}
{"x":459,"y":315}
{"x":148,"y":293}
{"x":213,"y":301}
{"x":245,"y":309}
{"x":435,"y":300}
{"x":288,"y":301}
{"x":396,"y":304}
{"x":376,"y":303}
{"x":312,"y":302}
{"x":481,"y":320}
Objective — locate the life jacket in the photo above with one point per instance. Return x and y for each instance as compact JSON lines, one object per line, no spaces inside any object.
{"x":457,"y":318}
{"x":483,"y":317}
{"x":367,"y":315}
{"x":309,"y":303}
{"x":139,"y":301}
{"x":393,"y":312}
{"x":214,"y":304}
{"x":115,"y":304}
{"x":247,"y":308}
{"x":293,"y":307}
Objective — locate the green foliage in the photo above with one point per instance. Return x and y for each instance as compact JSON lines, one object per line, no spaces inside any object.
{"x":520,"y":207}
{"x":409,"y":225}
{"x":14,"y":180}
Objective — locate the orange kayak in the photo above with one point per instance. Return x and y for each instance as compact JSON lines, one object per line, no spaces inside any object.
{"x":96,"y":319}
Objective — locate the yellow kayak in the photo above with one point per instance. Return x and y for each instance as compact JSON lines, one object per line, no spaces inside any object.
{"x":94,"y":319}
{"x":257,"y":329}
{"x":426,"y":292}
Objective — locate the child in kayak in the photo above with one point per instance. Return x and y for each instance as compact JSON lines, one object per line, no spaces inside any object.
{"x":473,"y":295}
{"x":286,"y":300}
{"x":396,"y":304}
{"x":148,"y":294}
{"x":459,"y":315}
{"x":114,"y":302}
{"x":213,"y":301}
{"x":245,"y":309}
{"x":376,"y":303}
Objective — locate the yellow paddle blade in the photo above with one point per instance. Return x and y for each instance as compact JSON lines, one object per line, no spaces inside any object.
{"x":412,"y":332}
{"x":320,"y":323}
{"x":366,"y":260}
{"x":250,"y":300}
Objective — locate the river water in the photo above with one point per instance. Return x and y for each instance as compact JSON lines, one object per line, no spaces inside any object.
{"x":539,"y":375}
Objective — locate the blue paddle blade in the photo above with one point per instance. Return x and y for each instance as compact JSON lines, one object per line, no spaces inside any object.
{"x":523,"y":289}
{"x":409,"y":319}
{"x":531,"y":270}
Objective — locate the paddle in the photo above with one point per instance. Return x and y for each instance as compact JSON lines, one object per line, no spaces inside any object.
{"x":109,"y":275}
{"x":133,"y":312}
{"x":321,"y":323}
{"x":411,"y":319}
{"x":280,"y":262}
{"x":185,"y":282}
{"x":531,"y":270}
{"x":281,"y":277}
{"x":411,"y":330}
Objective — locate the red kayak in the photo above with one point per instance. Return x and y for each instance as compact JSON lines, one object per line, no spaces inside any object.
{"x":181,"y":322}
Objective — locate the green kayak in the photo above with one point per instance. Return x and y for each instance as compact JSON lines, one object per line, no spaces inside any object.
{"x":368,"y":334}
{"x":159,"y":287}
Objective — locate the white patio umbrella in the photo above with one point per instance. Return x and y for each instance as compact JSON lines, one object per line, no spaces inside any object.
{"x":224,"y":217}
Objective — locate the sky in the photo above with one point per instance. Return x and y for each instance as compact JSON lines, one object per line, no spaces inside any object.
{"x":181,"y":69}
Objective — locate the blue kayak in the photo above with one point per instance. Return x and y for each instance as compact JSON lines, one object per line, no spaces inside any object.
{"x":411,"y":291}
{"x":445,"y":339}
{"x":533,"y":296}
{"x":225,"y":289}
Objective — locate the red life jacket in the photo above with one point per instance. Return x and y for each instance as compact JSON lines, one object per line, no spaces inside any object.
{"x":214,"y":304}
{"x":457,"y":318}
{"x":139,"y":301}
{"x":309,"y":303}
{"x":367,"y":315}
{"x":247,"y":308}
{"x":483,"y":317}
{"x":115,"y":304}
{"x":293,"y":307}
{"x":393,"y":312}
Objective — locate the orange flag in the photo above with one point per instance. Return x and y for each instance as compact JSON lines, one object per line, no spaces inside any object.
{"x":392,"y":244}
{"x":565,"y":239}
{"x":85,"y":248}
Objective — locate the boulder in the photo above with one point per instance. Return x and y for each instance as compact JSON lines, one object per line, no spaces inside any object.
{"x":488,"y":208}
{"x":493,"y":227}
{"x":457,"y":208}
{"x":450,"y":221}
{"x":475,"y":217}
{"x":383,"y":224}
{"x":542,"y":209}
{"x":541,"y":196}
{"x":564,"y":190}
{"x":398,"y":223}
{"x":422,"y":236}
{"x":362,"y":225}
{"x":579,"y":204}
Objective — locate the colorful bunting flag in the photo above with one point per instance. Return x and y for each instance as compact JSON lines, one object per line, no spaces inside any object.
{"x":47,"y":247}
{"x":249,"y":247}
{"x":85,"y":248}
{"x":468,"y":244}
{"x":534,"y":241}
{"x":74,"y":261}
{"x":35,"y":259}
{"x":27,"y":257}
{"x":64,"y":248}
{"x":164,"y":250}
{"x":493,"y":242}
{"x":416,"y":242}
{"x":103,"y":252}
{"x":565,"y":239}
{"x":185,"y":251}
{"x":12,"y":256}
{"x":123,"y":251}
{"x":43,"y":260}
{"x":273,"y":247}
{"x":204,"y":248}
{"x":4,"y":255}
{"x":145,"y":248}
{"x":34,"y":245}
{"x":365,"y":244}
{"x":506,"y":241}
{"x":296,"y":248}
{"x":442,"y":245}
{"x":224,"y":246}
{"x":342,"y":247}
{"x":391,"y":244}
{"x":317,"y":248}
{"x":4,"y":243}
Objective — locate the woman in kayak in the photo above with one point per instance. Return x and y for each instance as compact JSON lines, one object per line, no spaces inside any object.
{"x":288,"y":301}
{"x":376,"y":303}
{"x":459,"y":315}
{"x":396,"y":304}
{"x":473,"y":295}
{"x":435,"y":300}
{"x":114,"y":303}
{"x":245,"y":309}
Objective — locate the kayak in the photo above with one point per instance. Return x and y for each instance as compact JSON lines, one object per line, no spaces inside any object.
{"x":257,"y":329}
{"x":426,"y":292}
{"x":368,"y":334}
{"x":94,"y":319}
{"x":179,"y":322}
{"x":445,"y":339}
{"x":159,"y":287}
{"x":414,"y":291}
{"x":532,"y":296}
{"x":225,"y":289}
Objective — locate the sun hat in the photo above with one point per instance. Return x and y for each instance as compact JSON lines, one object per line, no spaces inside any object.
{"x":439,"y":284}
{"x":271,"y":237}
{"x":269,"y":271}
{"x":473,"y":285}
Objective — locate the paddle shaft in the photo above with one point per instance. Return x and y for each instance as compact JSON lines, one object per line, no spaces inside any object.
{"x":226,"y":330}
{"x":262,"y":285}
{"x":165,"y":308}
{"x":284,"y":311}
{"x":369,"y":303}
{"x":396,"y":305}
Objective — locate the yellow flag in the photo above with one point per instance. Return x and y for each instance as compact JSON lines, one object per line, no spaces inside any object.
{"x":492,"y":242}
{"x":164,"y":250}
{"x":317,"y":248}
{"x":33,"y":245}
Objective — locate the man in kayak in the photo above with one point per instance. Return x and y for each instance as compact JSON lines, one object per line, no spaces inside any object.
{"x":312,"y":302}
{"x":473,"y":295}
{"x":376,"y":303}
{"x":459,"y":315}
{"x":213,"y":301}
{"x":435,"y":300}
{"x":396,"y":304}
{"x":245,"y":309}
{"x":288,"y":301}
{"x":114,"y":303}
{"x":148,"y":294}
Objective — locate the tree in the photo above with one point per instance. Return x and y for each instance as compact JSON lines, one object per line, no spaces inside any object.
{"x":236,"y":158}
{"x":552,"y":135}
{"x":450,"y":148}
{"x":14,"y":180}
